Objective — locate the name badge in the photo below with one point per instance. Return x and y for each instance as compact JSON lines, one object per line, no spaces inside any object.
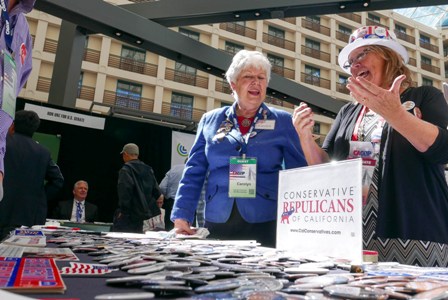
{"x":9,"y":84}
{"x":242,"y":177}
{"x":265,"y":124}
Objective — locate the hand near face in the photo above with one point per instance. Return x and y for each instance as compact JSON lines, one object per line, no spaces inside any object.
{"x":303,"y":120}
{"x":382,"y":101}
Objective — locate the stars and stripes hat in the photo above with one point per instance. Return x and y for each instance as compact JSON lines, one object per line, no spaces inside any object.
{"x":371,"y":35}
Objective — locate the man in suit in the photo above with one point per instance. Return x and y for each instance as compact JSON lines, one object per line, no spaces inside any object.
{"x":77,"y":209}
{"x":31,"y":176}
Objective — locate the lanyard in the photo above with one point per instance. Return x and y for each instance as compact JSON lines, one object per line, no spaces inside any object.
{"x":7,"y":24}
{"x":237,"y":126}
{"x":358,"y":122}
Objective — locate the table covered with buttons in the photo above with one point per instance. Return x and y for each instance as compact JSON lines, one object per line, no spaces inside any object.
{"x":144,"y":268}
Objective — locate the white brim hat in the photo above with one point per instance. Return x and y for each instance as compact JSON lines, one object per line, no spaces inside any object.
{"x":371,"y":35}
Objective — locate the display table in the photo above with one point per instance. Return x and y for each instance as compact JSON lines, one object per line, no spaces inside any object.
{"x":240,"y":269}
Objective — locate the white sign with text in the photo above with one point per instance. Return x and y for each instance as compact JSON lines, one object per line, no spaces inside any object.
{"x":320,"y":210}
{"x":67,"y":117}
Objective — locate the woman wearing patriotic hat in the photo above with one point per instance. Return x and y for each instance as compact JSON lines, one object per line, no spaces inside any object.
{"x":403,"y":133}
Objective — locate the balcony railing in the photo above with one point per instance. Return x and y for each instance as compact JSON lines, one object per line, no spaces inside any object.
{"x":112,"y":99}
{"x":282,"y":71}
{"x":279,"y":42}
{"x":291,"y":20}
{"x":186,"y":78}
{"x":405,"y":37}
{"x":342,"y":36}
{"x":412,"y":61}
{"x":311,"y":25}
{"x":430,"y":68}
{"x":223,"y":87}
{"x":315,"y":80}
{"x":50,"y":45}
{"x":86,"y":92}
{"x":43,"y":84}
{"x":352,"y":16}
{"x":316,"y":53}
{"x":132,"y":65}
{"x":184,"y":113}
{"x":272,"y":100}
{"x":239,"y":29}
{"x":370,"y":22}
{"x":429,"y":46}
{"x":342,"y":88}
{"x":92,"y":56}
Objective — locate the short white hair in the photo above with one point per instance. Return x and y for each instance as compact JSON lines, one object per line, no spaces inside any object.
{"x":245,"y":59}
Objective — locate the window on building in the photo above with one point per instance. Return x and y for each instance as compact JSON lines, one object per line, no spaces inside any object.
{"x":343,"y":79}
{"x":374,"y":18}
{"x":316,"y":128}
{"x":278,"y":64}
{"x":233,"y":48}
{"x":426,"y":60}
{"x":273,"y":31}
{"x":345,"y":30}
{"x":425,"y":39}
{"x":132,"y":59}
{"x":133,"y":53}
{"x":181,"y":106}
{"x":276,"y":36}
{"x":314,"y":19}
{"x":191,"y":34}
{"x":309,"y":43}
{"x":312,"y":75}
{"x":312,"y":48}
{"x":400,"y":28}
{"x":276,"y":60}
{"x":426,"y":81}
{"x":128,"y":94}
{"x":183,"y":73}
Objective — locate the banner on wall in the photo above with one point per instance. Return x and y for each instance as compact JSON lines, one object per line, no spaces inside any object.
{"x":320,"y":210}
{"x":181,"y":144}
{"x":67,"y":117}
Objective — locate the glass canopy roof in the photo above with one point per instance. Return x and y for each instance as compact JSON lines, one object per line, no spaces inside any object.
{"x":433,"y":16}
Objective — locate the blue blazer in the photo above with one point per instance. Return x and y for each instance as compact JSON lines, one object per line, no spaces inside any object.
{"x":274,"y":149}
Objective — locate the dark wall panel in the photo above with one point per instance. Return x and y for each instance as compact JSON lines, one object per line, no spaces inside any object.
{"x":94,"y":155}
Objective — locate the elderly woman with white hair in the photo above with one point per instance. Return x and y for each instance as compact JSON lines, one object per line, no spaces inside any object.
{"x":403,"y":130}
{"x":240,"y":149}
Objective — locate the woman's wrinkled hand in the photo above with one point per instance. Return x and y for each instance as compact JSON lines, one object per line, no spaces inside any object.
{"x":183,"y":227}
{"x":303,"y":120}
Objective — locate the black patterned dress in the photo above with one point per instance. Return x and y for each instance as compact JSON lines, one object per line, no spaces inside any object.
{"x":410,"y":252}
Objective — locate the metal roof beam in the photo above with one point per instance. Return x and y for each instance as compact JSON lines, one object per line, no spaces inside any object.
{"x":193,"y":12}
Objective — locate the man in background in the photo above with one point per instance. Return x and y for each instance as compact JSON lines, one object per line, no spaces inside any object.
{"x":137,"y":192}
{"x":15,"y":64}
{"x":168,"y":187}
{"x":31,"y":176}
{"x":78,"y":209}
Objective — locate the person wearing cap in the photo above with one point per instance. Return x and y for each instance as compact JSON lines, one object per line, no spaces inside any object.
{"x":138,"y":192}
{"x":406,"y":208}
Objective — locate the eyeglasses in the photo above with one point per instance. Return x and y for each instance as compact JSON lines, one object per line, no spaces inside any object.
{"x":348,"y":64}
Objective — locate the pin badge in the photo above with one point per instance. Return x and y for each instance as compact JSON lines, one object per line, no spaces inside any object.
{"x":408,"y":105}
